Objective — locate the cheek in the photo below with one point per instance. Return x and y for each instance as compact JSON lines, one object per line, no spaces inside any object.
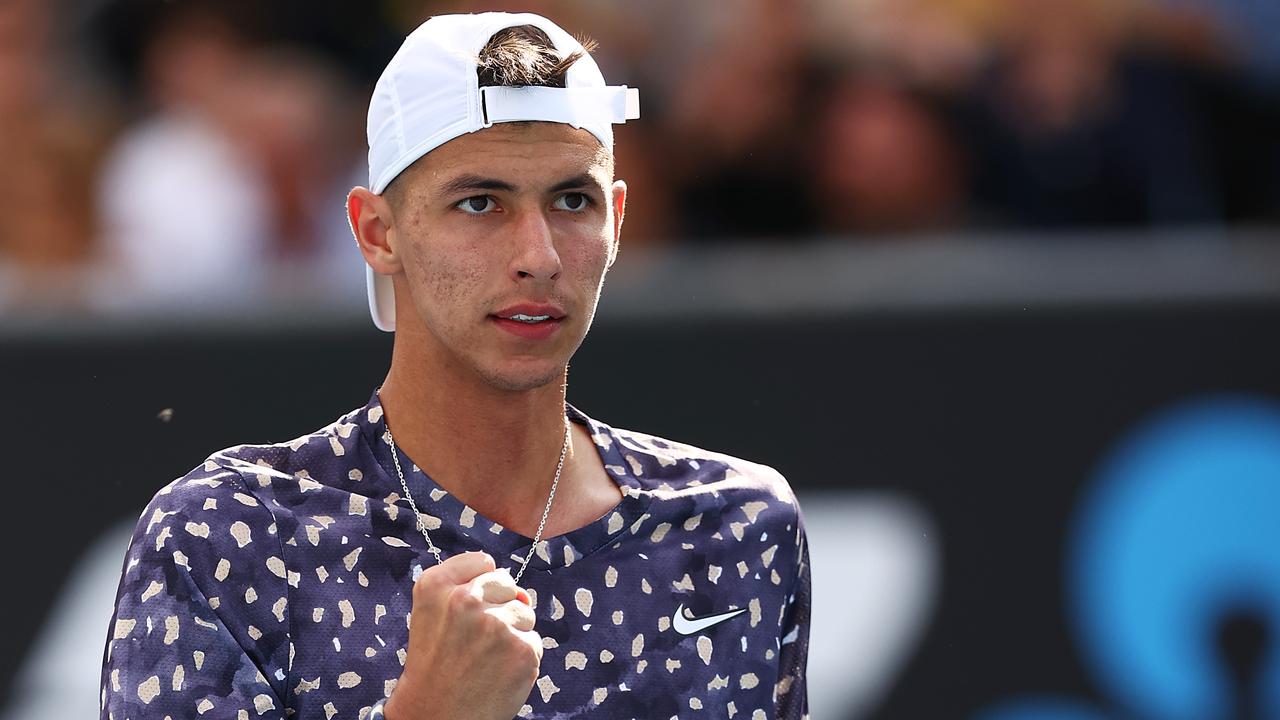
{"x":588,"y":255}
{"x":445,"y":276}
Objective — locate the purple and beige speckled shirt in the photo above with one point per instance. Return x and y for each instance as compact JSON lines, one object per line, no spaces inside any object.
{"x":275,"y":581}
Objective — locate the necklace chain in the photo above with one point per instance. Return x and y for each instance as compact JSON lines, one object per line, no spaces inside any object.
{"x":417,"y":514}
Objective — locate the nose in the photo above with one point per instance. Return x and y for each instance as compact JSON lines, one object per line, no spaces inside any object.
{"x":535,"y":256}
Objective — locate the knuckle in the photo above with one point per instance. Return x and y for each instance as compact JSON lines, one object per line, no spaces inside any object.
{"x":489,"y":631}
{"x":430,"y":589}
{"x":422,"y":592}
{"x":461,"y":600}
{"x":429,"y":579}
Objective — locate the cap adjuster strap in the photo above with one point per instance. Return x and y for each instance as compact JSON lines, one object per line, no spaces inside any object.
{"x":577,"y":106}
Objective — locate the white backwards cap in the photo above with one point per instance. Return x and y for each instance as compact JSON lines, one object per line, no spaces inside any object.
{"x":429,"y":94}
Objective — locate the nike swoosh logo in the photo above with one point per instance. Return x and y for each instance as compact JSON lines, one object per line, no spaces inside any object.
{"x":689,"y":626}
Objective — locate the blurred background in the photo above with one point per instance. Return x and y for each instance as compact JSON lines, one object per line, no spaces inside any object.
{"x":995,"y":283}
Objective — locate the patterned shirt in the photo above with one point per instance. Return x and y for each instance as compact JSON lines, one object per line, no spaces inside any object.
{"x":275,"y":581}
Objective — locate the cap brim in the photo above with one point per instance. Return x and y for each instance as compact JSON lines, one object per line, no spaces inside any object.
{"x":382,"y":300}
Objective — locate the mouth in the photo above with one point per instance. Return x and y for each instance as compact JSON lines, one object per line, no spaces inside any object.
{"x":531,"y":322}
{"x":530,"y":312}
{"x":530,"y":319}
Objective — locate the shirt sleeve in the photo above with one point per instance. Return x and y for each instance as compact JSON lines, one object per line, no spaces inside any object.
{"x":200,"y":627}
{"x":792,"y":689}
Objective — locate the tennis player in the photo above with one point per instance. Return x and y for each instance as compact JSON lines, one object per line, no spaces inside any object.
{"x":467,"y":544}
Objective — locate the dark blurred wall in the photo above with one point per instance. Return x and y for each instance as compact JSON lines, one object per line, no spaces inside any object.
{"x":990,"y":420}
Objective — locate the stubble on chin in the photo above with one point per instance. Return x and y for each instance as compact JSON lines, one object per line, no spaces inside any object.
{"x":522,"y":383}
{"x":525,"y":379}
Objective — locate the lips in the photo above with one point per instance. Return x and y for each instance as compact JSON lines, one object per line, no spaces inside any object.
{"x":531,"y":310}
{"x":529,"y":321}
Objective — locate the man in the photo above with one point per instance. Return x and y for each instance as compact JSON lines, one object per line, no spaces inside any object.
{"x":468,"y":544}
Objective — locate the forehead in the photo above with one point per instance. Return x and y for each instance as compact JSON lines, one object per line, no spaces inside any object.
{"x":519,"y":151}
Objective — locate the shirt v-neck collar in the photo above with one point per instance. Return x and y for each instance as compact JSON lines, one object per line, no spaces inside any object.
{"x":457,"y":528}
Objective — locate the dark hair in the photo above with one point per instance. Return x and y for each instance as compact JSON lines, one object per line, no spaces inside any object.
{"x":524,"y":55}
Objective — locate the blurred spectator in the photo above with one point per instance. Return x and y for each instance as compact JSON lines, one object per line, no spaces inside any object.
{"x":1235,"y":95}
{"x":241,"y":165}
{"x":1072,"y":126}
{"x":1119,"y":113}
{"x":763,"y":119}
{"x":185,"y":212}
{"x":1249,"y":27}
{"x":884,"y":161}
{"x":936,"y":45}
{"x":49,"y":144}
{"x":739,"y":125}
{"x":293,"y":119}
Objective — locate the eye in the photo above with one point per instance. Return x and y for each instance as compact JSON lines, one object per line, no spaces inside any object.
{"x":476,"y":204}
{"x":573,"y":202}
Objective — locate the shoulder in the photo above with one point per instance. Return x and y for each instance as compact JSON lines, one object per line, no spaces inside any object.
{"x":673,"y":470}
{"x":210,"y":486}
{"x":250,"y":484}
{"x":234,"y":499}
{"x":201,"y":518}
{"x":737,"y":510}
{"x":212,"y":534}
{"x":244,"y":485}
{"x":725,"y":471}
{"x":299,"y":465}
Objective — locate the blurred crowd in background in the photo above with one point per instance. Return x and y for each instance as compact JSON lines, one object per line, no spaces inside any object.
{"x":162,"y":152}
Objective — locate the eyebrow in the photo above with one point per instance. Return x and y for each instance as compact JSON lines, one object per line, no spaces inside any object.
{"x":577,"y":181}
{"x":469,"y":182}
{"x":464,"y":183}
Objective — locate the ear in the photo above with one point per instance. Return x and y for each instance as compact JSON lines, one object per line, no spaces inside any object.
{"x":373,"y":225}
{"x":619,"y":201}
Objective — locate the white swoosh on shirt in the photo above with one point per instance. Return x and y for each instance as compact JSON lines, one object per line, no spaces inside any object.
{"x":689,"y":626}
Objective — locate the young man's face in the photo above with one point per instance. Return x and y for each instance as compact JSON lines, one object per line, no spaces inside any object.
{"x":518,"y":218}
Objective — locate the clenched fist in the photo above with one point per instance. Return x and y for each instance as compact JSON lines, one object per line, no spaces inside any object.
{"x":472,"y":650}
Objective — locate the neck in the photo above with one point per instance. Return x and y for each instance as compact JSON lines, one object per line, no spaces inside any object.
{"x":493,"y":449}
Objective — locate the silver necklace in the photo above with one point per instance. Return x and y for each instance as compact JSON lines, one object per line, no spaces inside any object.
{"x":417,"y":514}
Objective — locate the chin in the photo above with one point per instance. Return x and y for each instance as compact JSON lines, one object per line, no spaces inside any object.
{"x":522,"y":380}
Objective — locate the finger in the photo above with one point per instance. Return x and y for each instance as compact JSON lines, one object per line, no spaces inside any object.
{"x":532,"y":639}
{"x":495,"y":587}
{"x":514,"y":613}
{"x":463,"y":568}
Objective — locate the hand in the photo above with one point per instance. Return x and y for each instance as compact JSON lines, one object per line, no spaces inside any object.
{"x":472,"y":650}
